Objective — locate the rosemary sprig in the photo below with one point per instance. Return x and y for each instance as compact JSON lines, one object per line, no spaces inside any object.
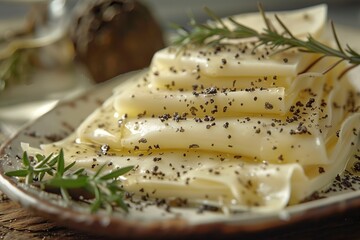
{"x":104,"y":189}
{"x":14,"y":69}
{"x":15,"y":64}
{"x":213,"y":33}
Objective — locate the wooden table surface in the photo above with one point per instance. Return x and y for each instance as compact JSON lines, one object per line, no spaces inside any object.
{"x":19,"y":223}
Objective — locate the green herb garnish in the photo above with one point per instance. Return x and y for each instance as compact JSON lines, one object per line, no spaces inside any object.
{"x":214,"y":33}
{"x":51,"y":172}
{"x":15,"y":64}
{"x":14,"y":69}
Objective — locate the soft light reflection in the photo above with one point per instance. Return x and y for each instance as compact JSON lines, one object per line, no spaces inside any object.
{"x":57,"y":8}
{"x":101,"y":133}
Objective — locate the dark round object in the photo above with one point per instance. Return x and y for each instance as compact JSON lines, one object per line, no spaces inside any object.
{"x":114,"y":37}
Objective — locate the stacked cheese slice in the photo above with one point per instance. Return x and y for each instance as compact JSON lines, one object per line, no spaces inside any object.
{"x":226,"y":125}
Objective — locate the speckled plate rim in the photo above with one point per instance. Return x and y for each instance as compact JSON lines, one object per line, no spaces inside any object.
{"x":179,"y":227}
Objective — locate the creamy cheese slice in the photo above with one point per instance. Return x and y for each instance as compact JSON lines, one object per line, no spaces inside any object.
{"x":227,"y":64}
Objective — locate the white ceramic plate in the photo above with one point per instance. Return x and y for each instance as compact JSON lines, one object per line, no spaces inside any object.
{"x":151,"y":221}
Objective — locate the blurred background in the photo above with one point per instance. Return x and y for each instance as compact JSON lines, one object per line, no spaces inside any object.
{"x":88,"y":42}
{"x":345,"y":12}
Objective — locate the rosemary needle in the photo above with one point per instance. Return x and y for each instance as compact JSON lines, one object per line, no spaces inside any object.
{"x":104,"y":188}
{"x":14,"y":69}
